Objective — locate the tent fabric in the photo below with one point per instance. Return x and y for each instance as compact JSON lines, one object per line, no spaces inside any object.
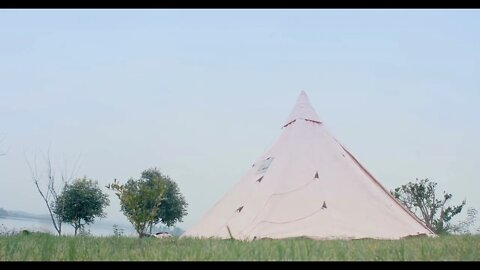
{"x":307,"y":185}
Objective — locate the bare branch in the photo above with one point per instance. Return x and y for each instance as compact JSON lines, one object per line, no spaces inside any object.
{"x":66,"y":177}
{"x":51,"y":194}
{"x":35,"y":177}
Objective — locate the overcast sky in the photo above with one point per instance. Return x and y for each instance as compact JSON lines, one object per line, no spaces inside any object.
{"x":201,"y":94}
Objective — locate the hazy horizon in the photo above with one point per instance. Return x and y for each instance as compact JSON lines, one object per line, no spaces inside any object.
{"x":200,"y":94}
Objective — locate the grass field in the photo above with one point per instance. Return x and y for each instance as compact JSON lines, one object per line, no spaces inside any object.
{"x":44,"y":247}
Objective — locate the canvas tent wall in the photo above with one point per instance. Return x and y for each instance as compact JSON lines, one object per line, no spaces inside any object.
{"x":307,"y":185}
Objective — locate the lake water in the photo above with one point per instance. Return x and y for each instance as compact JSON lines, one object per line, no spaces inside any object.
{"x":99,"y":228}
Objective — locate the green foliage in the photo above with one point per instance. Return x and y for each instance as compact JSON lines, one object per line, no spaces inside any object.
{"x":149,"y":200}
{"x":139,"y":201}
{"x":420,"y":197}
{"x":80,"y":203}
{"x":36,"y":247}
{"x":173,"y":207}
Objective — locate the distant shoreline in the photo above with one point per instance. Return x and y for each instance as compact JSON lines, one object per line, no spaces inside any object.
{"x":100,"y":225}
{"x":22,"y":214}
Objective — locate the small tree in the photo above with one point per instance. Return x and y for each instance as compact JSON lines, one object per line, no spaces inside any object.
{"x":173,"y":207}
{"x":420,"y":198}
{"x":80,"y":203}
{"x":139,"y":201}
{"x":153,"y":198}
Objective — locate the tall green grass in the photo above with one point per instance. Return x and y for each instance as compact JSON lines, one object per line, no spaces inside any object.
{"x":44,"y":247}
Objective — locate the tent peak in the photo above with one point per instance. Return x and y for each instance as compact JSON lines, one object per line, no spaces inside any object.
{"x":302,"y":110}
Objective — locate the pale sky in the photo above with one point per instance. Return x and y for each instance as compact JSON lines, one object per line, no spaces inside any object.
{"x":201,"y":94}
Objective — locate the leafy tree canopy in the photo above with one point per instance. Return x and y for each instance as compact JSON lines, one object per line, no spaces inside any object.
{"x":421,"y":198}
{"x":81,"y":202}
{"x":152,"y":199}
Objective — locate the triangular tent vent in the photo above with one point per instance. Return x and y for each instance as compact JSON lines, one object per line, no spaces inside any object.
{"x":324,"y":206}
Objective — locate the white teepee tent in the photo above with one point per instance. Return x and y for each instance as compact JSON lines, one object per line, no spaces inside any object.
{"x":307,"y":185}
